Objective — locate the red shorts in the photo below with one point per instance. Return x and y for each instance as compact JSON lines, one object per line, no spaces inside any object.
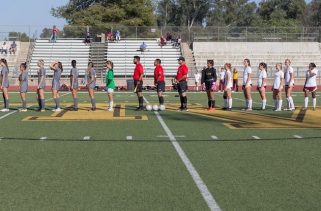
{"x":311,"y":89}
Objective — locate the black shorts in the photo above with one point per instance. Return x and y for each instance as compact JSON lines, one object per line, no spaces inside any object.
{"x":160,"y":87}
{"x":182,"y":87}
{"x":139,"y":86}
{"x":210,"y":85}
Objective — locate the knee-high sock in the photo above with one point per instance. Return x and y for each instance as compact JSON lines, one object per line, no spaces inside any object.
{"x":246,"y":103}
{"x":141,"y":101}
{"x":24,"y":104}
{"x":291,"y":102}
{"x":161,"y":100}
{"x":280,"y":104}
{"x":263,"y":104}
{"x":184,"y":102}
{"x":250,"y":104}
{"x":58,"y":102}
{"x":39,"y":102}
{"x":306,"y":102}
{"x":42,"y":104}
{"x":276,"y":104}
{"x":213,"y":103}
{"x":209,"y":103}
{"x":111,"y":104}
{"x":230,"y":101}
{"x":75,"y":102}
{"x":314,"y":101}
{"x":93,"y":102}
{"x":6,"y":103}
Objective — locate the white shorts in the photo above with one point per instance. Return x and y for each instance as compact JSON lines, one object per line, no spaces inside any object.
{"x":109,"y":90}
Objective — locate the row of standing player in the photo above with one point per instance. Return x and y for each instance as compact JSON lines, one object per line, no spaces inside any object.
{"x":58,"y":69}
{"x":281,"y":79}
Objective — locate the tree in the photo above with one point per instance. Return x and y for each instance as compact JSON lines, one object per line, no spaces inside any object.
{"x":232,"y":13}
{"x":23,"y":37}
{"x":314,"y":13}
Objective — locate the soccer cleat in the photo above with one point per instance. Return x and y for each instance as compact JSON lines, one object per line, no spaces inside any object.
{"x":4,"y":110}
{"x":210,"y":109}
{"x":111,"y":109}
{"x":140,"y":108}
{"x":304,"y":109}
{"x":229,"y":109}
{"x":42,"y":110}
{"x":277,"y":110}
{"x":248,"y":109}
{"x":92,"y":109}
{"x":23,"y":110}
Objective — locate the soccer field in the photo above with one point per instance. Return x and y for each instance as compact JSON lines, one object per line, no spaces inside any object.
{"x":127,"y":160}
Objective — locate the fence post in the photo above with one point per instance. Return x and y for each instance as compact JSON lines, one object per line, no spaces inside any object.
{"x":136,"y":32}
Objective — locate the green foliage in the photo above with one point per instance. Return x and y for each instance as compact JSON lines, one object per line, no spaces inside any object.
{"x":23,"y":37}
{"x":314,"y":13}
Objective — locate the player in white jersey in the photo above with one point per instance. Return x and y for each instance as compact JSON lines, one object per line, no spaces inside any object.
{"x":247,"y":84}
{"x":289,"y":83}
{"x":221,"y":77}
{"x":228,"y":84}
{"x":310,"y":85}
{"x":277,"y":87}
{"x":261,"y":83}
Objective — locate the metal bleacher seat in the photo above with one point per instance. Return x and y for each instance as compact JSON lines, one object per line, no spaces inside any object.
{"x":122,"y":53}
{"x":64,"y":50}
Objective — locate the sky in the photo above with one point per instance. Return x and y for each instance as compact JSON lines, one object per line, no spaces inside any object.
{"x":31,"y":15}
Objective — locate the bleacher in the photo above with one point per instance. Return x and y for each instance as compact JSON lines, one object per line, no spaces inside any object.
{"x":122,"y":53}
{"x":300,"y":53}
{"x":64,"y":50}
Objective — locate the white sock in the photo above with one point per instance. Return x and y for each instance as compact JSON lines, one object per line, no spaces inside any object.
{"x":291,"y":102}
{"x":280,"y":104}
{"x":230,"y":101}
{"x":263,"y":104}
{"x":276,"y":104}
{"x":111,"y":104}
{"x":314,"y":100}
{"x":225,"y":103}
{"x":246,"y":103}
{"x":250,"y":104}
{"x":306,"y":102}
{"x":288,"y":101}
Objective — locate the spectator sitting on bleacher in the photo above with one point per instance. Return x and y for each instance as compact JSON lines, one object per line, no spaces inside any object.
{"x":117,"y":35}
{"x":143,"y":47}
{"x":4,"y":48}
{"x":13,"y":48}
{"x":162,"y":41}
{"x":177,"y":42}
{"x":87,"y":40}
{"x":109,"y":36}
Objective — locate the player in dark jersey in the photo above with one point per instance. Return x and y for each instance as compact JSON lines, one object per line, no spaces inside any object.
{"x":74,"y":85}
{"x":4,"y":83}
{"x":138,"y":82}
{"x":181,"y":79}
{"x":159,"y":80}
{"x":23,"y":82}
{"x":57,"y":68}
{"x":208,"y":82}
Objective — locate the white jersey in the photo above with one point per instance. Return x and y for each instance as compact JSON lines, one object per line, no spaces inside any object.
{"x":246,"y":72}
{"x":222,"y":75}
{"x":197,"y":77}
{"x":311,"y":81}
{"x":287,"y":76}
{"x":228,"y":80}
{"x":278,"y":76}
{"x":262,"y":75}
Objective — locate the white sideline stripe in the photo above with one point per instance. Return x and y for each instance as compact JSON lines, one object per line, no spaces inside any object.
{"x":129,"y":137}
{"x":209,"y":199}
{"x":297,"y":136}
{"x":214,"y":137}
{"x":1,"y":138}
{"x":12,"y":112}
{"x":86,"y":138}
{"x":164,"y":136}
{"x":43,"y":138}
{"x":256,"y":137}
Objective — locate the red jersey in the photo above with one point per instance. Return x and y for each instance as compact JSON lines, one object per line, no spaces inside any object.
{"x":139,"y":70}
{"x":159,"y":73}
{"x":182,"y":70}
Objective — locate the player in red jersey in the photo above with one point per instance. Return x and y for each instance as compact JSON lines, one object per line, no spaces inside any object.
{"x":181,"y":79}
{"x":138,"y":82}
{"x":159,"y":80}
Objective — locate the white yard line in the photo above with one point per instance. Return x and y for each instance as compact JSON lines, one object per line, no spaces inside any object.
{"x":43,"y":138}
{"x":129,"y":137}
{"x":208,"y":197}
{"x":297,"y":136}
{"x":214,"y":137}
{"x":86,"y":138}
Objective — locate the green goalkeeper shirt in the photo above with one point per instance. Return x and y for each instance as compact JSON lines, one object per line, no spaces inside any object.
{"x":110,"y":82}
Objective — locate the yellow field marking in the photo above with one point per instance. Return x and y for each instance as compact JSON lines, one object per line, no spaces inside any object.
{"x":245,"y":120}
{"x":83,"y":114}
